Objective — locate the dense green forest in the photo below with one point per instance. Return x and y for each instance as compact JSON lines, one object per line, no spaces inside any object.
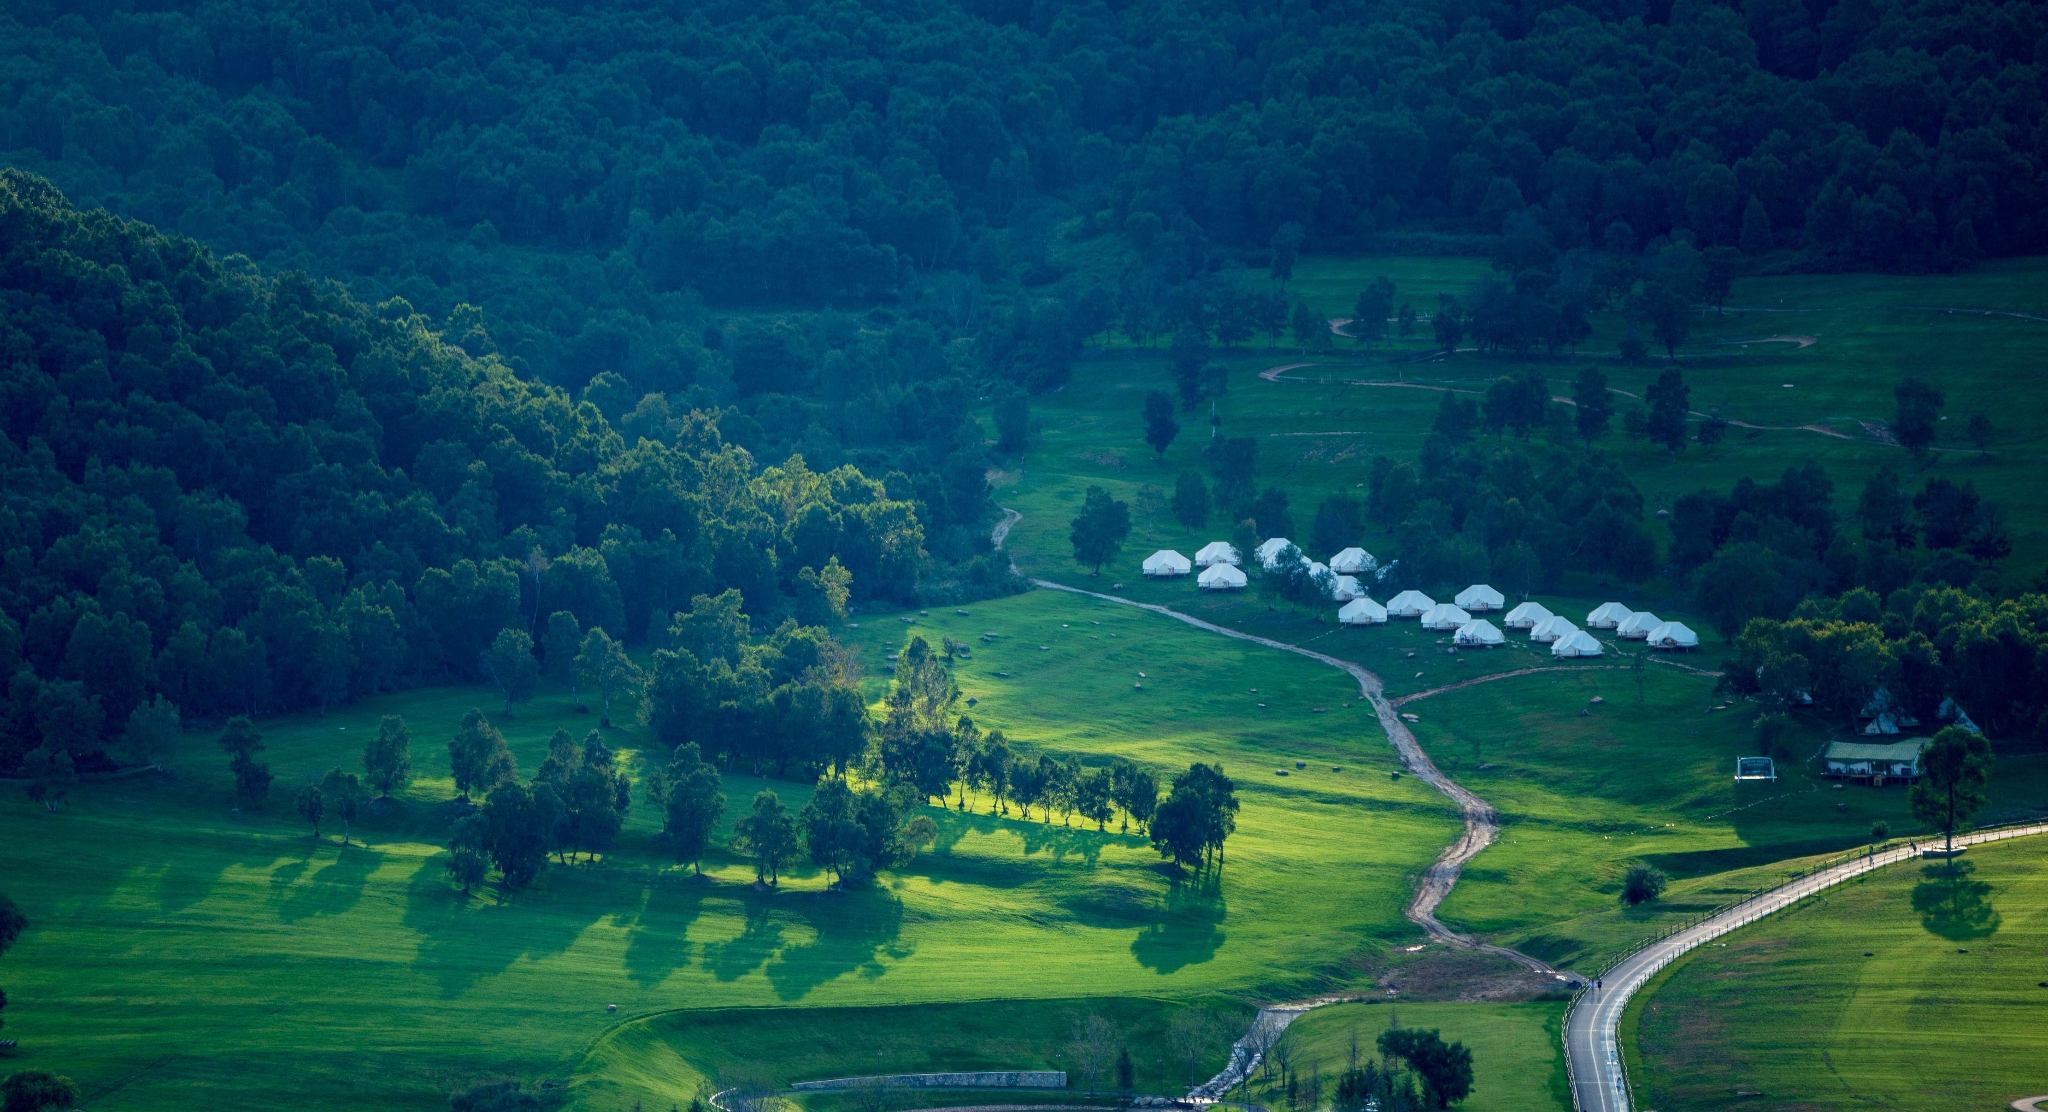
{"x":602,"y":178}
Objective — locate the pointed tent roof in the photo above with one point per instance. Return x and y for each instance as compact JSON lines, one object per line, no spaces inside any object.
{"x":1409,"y":604}
{"x":1479,"y":631}
{"x":1479,"y":596}
{"x":1361,"y":611}
{"x":1607,"y":615}
{"x":1216,"y":552}
{"x":1580,"y":643}
{"x":1526,"y":616}
{"x":1167,"y":562}
{"x":1346,"y":588}
{"x":1270,"y":550}
{"x":1444,"y":616}
{"x":1351,"y":561}
{"x":1551,"y":629}
{"x":1673,"y":635}
{"x":1220,"y":577}
{"x":1638,"y":625}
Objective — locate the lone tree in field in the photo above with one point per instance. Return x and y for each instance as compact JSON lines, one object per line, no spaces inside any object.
{"x":1192,"y":1036}
{"x":1094,"y":1047}
{"x":387,"y":759}
{"x":510,"y":666}
{"x":517,"y":830}
{"x":151,"y":737}
{"x":1954,"y":767}
{"x":1099,"y":529}
{"x":468,"y":853}
{"x":312,"y":806}
{"x":1160,"y":427}
{"x":1641,"y":884}
{"x":1446,"y":1068}
{"x":768,"y":835}
{"x":687,"y":791}
{"x":1199,"y":813}
{"x":1593,"y":406}
{"x":478,"y":757}
{"x":1668,"y":407}
{"x":344,"y":792}
{"x":604,"y":665}
{"x":1919,"y":407}
{"x":241,"y":742}
{"x":1190,"y":501}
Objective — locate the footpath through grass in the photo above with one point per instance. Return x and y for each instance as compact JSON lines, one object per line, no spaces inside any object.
{"x":1917,"y":987}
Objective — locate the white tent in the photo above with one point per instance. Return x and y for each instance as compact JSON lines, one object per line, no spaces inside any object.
{"x":1607,"y":616}
{"x":1409,"y":604}
{"x":1443,"y":616}
{"x":1637,"y":625}
{"x":1526,"y":616}
{"x":1673,"y":635}
{"x":1166,"y":562}
{"x":1479,"y":632}
{"x":1579,"y":643}
{"x":1315,"y":569}
{"x":1345,"y":589}
{"x":1221,"y":577}
{"x":1554,"y":628}
{"x":1353,"y":561}
{"x":1216,"y":552}
{"x":1479,"y":597}
{"x":1270,"y":550}
{"x":1361,"y":612}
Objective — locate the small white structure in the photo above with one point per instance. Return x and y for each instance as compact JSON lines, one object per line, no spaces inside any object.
{"x":1353,"y":561}
{"x":1316,"y":570}
{"x":1216,"y":552}
{"x":1479,"y":598}
{"x":1221,"y":577}
{"x":1166,"y":563}
{"x":1637,"y":626}
{"x":1409,"y":604}
{"x":1479,"y":633}
{"x":1527,"y":616}
{"x":1269,"y":551}
{"x":1607,"y":616}
{"x":1346,"y":588}
{"x":1579,"y":643}
{"x":1362,"y":612}
{"x":1553,"y":628}
{"x":1673,"y":635}
{"x":1443,"y":617}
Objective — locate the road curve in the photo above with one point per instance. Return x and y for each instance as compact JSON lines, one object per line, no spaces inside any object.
{"x":1592,"y":1038}
{"x":1482,"y":823}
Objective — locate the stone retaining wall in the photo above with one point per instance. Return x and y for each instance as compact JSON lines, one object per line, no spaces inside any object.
{"x":997,"y":1079}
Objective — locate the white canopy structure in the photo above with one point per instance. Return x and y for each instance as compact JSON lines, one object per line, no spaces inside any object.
{"x":1479,"y":597}
{"x":1270,"y":550}
{"x":1479,"y":633}
{"x":1443,"y":616}
{"x":1346,"y":588}
{"x":1221,"y":577}
{"x":1580,"y":643}
{"x":1353,"y":561}
{"x":1638,"y":625}
{"x":1409,"y":604}
{"x":1607,"y":616}
{"x":1216,"y":552}
{"x":1673,"y":635}
{"x":1362,"y":612}
{"x":1553,"y":628}
{"x":1527,"y":616}
{"x":1166,"y":562}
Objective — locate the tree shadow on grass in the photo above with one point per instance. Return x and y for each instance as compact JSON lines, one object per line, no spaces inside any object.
{"x":1954,"y":906}
{"x":658,"y":943}
{"x":854,"y":929}
{"x":1187,"y":929}
{"x":308,"y":887}
{"x":464,"y":939}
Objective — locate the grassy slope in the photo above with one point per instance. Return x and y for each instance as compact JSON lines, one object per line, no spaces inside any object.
{"x":1794,"y":1013}
{"x":184,"y":950}
{"x":1517,"y":1063}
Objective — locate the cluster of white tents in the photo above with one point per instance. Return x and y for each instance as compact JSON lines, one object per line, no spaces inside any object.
{"x":1219,"y":562}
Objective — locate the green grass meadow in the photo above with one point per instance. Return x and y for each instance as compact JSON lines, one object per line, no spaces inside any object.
{"x":1914,"y":987}
{"x":1517,"y":1063}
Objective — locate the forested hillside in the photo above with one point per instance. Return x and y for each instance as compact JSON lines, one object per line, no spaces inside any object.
{"x":594,"y":175}
{"x":242,"y":494}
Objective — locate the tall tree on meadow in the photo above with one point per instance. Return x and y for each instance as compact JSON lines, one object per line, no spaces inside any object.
{"x":604,"y":665}
{"x":1160,"y":427}
{"x":1190,"y":501}
{"x":687,"y":792}
{"x":1099,"y":529}
{"x":311,"y":806}
{"x":1013,"y":423}
{"x":1668,"y":407}
{"x":1285,"y":248}
{"x":152,"y":734}
{"x":344,"y":794}
{"x":241,"y":742}
{"x":387,"y":759}
{"x":510,"y":666}
{"x":478,"y":757}
{"x":1955,"y":766}
{"x":768,"y":835}
{"x":1919,"y":407}
{"x":1370,"y":311}
{"x":1593,"y":406}
{"x":516,"y":830}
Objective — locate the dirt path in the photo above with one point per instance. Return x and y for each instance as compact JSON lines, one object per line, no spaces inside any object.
{"x":1407,"y":699}
{"x":1796,"y":341}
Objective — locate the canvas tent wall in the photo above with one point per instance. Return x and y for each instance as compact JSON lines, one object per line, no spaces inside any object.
{"x":1638,"y":625}
{"x":1409,"y":604}
{"x":1607,"y":615}
{"x":1443,"y":616}
{"x":1673,"y":635}
{"x":1859,"y":760}
{"x":1166,"y":562}
{"x":1479,"y":597}
{"x":1270,"y":550}
{"x":1479,"y":633}
{"x":1353,"y":561}
{"x":1221,"y":577}
{"x":1577,"y":644}
{"x":1551,"y":629}
{"x":1216,"y":552}
{"x":1526,"y":616}
{"x":1361,"y":611}
{"x":1346,"y":588}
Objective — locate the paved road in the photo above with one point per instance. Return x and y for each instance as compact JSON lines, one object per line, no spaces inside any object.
{"x":1592,"y":1029}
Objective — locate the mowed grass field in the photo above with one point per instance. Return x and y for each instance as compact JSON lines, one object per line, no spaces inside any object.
{"x":186,"y":953}
{"x":1517,"y":1065}
{"x":1944,"y":1012}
